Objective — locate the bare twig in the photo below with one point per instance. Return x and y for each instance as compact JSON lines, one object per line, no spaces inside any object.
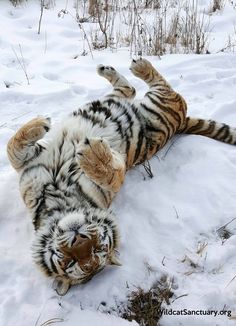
{"x":103,"y":23}
{"x":21,"y":62}
{"x":172,"y":142}
{"x":224,"y":226}
{"x":201,"y":248}
{"x":163,"y":260}
{"x":20,"y":116}
{"x":224,"y":233}
{"x":46,"y":42}
{"x":181,"y":296}
{"x":231,"y":281}
{"x":77,"y":19}
{"x":41,"y":15}
{"x":52,"y":321}
{"x":148,"y":169}
{"x":176,"y":213}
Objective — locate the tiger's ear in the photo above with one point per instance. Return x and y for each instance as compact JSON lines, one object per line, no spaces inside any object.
{"x":114,"y":260}
{"x":61,"y":285}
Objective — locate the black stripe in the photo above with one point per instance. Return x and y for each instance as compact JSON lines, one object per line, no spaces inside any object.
{"x":110,"y":242}
{"x":161,"y":118}
{"x":152,"y":128}
{"x":139,"y":144}
{"x":36,"y":218}
{"x":196,"y":127}
{"x":226,"y":131}
{"x":119,"y":90}
{"x":44,"y":265}
{"x":27,"y":170}
{"x":119,"y":128}
{"x":86,"y":196}
{"x":103,"y":193}
{"x":229,"y":140}
{"x":53,"y":266}
{"x":163,"y":107}
{"x":38,"y":149}
{"x":155,"y":85}
{"x":210,"y":128}
{"x":96,"y":106}
{"x":94,"y":120}
{"x":129,"y":120}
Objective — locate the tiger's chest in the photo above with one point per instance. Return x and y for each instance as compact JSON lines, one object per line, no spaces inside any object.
{"x":55,"y":182}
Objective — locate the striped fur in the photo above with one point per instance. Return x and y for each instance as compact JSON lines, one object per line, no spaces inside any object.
{"x":210,"y":128}
{"x":69,"y":179}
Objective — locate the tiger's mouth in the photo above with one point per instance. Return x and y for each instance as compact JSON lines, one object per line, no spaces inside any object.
{"x":83,"y":251}
{"x":74,"y":247}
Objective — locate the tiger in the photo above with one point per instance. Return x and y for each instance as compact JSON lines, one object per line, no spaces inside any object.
{"x":70,"y":173}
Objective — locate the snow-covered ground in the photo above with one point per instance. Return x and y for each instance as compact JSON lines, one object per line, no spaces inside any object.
{"x":168,"y":223}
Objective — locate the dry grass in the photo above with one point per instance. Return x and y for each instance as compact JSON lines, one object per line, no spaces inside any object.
{"x":16,"y":2}
{"x":49,"y":321}
{"x":233,"y":3}
{"x":217,"y":5}
{"x":224,"y":232}
{"x":52,"y":321}
{"x":147,"y":27}
{"x":171,"y":28}
{"x":145,"y":306}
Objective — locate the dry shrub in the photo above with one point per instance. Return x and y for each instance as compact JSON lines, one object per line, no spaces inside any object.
{"x":147,"y":27}
{"x":159,"y":27}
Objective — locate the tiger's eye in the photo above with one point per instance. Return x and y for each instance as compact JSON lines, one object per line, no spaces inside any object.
{"x":70,"y":264}
{"x":83,"y":236}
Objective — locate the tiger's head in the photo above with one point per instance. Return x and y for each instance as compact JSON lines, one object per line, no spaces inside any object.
{"x":76,"y":246}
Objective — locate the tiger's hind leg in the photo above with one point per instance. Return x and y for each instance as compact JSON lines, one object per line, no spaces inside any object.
{"x":163,"y":109}
{"x":144,"y":70}
{"x":160,"y":95}
{"x":121,"y":86}
{"x":23,"y":146}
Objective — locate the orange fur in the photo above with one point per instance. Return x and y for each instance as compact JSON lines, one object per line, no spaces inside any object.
{"x":102,"y":166}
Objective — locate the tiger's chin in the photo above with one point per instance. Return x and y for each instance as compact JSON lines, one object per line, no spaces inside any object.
{"x":75,"y":246}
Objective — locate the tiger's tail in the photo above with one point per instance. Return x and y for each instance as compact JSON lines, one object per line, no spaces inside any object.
{"x":211,"y":129}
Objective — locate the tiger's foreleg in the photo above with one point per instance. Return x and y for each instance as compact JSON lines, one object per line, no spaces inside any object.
{"x":121,"y":87}
{"x":103,"y":165}
{"x":23,"y":146}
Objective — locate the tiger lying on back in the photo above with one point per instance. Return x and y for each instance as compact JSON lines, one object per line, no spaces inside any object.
{"x":69,"y":181}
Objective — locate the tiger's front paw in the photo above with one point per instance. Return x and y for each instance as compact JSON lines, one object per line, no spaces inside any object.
{"x":96,"y":157}
{"x":107,"y":72}
{"x":141,"y":68}
{"x":102,"y":164}
{"x":35,"y":129}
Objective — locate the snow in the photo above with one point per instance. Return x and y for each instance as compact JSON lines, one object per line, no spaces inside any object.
{"x":163,"y":220}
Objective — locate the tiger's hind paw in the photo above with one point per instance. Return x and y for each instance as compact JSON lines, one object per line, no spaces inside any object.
{"x":141,"y":68}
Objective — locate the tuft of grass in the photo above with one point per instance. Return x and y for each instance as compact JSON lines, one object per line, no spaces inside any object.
{"x":52,"y":321}
{"x":145,"y":306}
{"x":16,"y":2}
{"x":217,"y":5}
{"x":224,"y":233}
